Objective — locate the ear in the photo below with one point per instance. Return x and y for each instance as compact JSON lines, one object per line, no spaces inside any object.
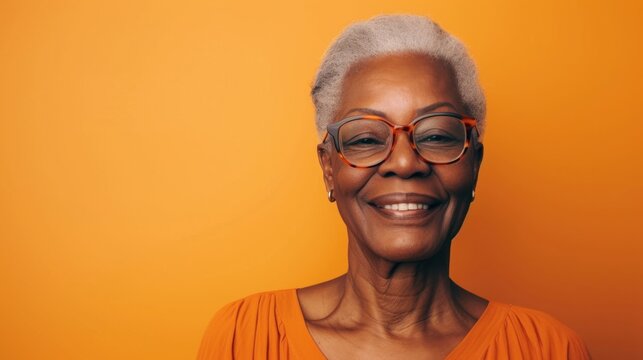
{"x":323,"y":154}
{"x":478,"y":150}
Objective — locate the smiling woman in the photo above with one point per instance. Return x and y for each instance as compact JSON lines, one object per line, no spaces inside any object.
{"x":398,"y":86}
{"x":401,"y":116}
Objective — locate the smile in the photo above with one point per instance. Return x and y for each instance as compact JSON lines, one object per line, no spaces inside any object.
{"x":406,"y":206}
{"x":409,"y":213}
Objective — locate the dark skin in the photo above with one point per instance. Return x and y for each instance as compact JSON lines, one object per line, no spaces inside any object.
{"x":396,"y":300}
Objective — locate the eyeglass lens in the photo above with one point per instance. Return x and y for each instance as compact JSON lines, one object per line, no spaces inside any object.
{"x":438,"y":139}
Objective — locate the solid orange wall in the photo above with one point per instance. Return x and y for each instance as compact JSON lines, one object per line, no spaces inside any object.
{"x":157,"y":160}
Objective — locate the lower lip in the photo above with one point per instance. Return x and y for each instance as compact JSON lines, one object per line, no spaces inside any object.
{"x":408,"y":215}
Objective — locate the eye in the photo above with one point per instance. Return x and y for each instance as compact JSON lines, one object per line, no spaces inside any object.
{"x":364,"y":141}
{"x":435,"y":138}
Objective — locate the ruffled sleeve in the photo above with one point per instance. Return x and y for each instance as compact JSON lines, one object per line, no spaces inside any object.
{"x":532,"y":334}
{"x":245,"y":329}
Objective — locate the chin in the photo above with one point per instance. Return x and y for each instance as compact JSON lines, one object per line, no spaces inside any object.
{"x":407,"y":248}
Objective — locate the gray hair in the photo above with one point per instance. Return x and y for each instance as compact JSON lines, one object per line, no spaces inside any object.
{"x":391,"y":34}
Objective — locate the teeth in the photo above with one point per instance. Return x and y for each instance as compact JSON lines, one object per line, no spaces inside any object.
{"x":406,"y":206}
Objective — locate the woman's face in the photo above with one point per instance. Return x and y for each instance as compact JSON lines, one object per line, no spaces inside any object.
{"x":401,"y":87}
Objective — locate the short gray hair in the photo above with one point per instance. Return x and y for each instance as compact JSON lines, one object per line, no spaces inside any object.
{"x":392,"y":34}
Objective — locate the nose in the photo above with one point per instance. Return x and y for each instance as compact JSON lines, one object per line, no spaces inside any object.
{"x":404,"y":161}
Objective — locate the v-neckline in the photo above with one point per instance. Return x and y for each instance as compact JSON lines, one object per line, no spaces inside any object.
{"x":473,"y":345}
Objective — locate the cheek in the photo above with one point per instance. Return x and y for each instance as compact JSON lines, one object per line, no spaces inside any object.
{"x":348,"y":182}
{"x":458,"y":178}
{"x":458,"y":181}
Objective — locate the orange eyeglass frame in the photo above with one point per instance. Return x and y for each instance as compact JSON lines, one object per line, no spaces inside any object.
{"x":468,"y":122}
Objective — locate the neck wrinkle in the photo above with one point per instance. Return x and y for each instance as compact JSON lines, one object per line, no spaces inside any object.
{"x":399,"y":299}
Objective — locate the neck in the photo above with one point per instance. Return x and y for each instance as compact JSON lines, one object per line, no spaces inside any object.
{"x":401,"y":298}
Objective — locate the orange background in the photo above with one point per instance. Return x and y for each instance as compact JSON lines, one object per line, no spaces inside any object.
{"x":157,"y":160}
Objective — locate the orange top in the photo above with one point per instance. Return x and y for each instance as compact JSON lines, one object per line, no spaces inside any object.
{"x":271,"y":326}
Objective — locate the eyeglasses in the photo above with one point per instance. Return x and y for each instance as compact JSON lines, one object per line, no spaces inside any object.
{"x":367,"y":140}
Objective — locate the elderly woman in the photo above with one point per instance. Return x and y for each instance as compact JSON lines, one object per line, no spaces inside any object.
{"x":401,"y":115}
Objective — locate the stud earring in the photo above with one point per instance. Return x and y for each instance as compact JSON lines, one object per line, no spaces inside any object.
{"x":331,"y":198}
{"x":473,"y":195}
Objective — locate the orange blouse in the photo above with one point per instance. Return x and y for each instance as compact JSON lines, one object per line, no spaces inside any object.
{"x":270,"y":325}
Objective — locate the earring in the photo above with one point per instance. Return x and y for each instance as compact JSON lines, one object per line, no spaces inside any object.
{"x":473,"y":195}
{"x":331,"y":198}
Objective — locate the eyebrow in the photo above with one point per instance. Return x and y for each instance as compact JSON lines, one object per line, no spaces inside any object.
{"x":421,"y":111}
{"x":432,"y":107}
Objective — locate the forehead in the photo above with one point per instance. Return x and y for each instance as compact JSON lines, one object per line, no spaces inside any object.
{"x":398,"y":85}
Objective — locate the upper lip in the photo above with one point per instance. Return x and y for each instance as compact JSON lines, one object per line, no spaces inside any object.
{"x":397,"y":198}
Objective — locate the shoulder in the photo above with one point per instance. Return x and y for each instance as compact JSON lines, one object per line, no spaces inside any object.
{"x":541,"y":333}
{"x":244,"y":320}
{"x":249,"y":311}
{"x":536,"y":322}
{"x":256,"y":303}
